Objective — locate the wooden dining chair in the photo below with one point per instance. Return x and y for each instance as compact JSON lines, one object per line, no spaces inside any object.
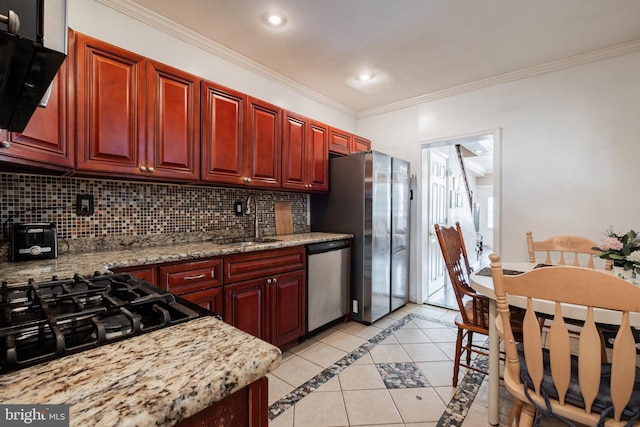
{"x":557,"y":248}
{"x":473,"y":316}
{"x":474,"y":308}
{"x":548,"y":379}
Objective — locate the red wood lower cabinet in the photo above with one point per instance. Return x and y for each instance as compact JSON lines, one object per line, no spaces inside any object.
{"x":245,"y":307}
{"x":247,"y":407}
{"x":211,"y":299}
{"x":265,"y":294}
{"x":148,"y":274}
{"x":287,"y":307}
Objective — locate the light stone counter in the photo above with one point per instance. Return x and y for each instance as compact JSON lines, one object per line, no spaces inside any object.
{"x":155,"y":379}
{"x":86,"y":263}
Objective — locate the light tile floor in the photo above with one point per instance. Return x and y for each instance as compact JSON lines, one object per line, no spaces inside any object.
{"x":401,"y":379}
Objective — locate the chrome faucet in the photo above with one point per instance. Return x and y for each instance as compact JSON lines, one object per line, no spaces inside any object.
{"x":248,"y":212}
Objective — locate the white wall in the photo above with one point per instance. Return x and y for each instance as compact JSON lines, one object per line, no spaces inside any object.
{"x":570,"y":148}
{"x":570,"y":143}
{"x":102,"y":22}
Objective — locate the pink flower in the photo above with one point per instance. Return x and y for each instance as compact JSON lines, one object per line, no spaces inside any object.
{"x":612,"y":243}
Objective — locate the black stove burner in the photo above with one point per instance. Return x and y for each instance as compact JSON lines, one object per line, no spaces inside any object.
{"x":46,"y":320}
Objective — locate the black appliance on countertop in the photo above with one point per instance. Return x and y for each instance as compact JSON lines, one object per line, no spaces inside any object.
{"x":34,"y":240}
{"x":41,"y":321}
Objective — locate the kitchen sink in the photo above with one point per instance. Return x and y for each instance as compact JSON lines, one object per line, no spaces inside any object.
{"x":249,"y":241}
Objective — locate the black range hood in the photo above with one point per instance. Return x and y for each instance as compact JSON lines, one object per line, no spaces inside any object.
{"x":26,"y":70}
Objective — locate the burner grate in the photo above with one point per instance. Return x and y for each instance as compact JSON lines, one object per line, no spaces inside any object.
{"x":47,"y":320}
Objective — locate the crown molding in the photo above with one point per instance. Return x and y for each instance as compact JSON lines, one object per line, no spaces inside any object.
{"x":549,"y":67}
{"x":155,"y":20}
{"x":165,"y":25}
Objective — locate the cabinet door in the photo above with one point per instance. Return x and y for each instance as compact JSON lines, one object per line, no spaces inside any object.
{"x":317,"y":164}
{"x":287,"y":297}
{"x":211,"y":299}
{"x":223,"y":134}
{"x":360,"y":144}
{"x":247,"y":407}
{"x":245,"y":307}
{"x":110,"y":97}
{"x":263,"y":144}
{"x":339,"y":141}
{"x":45,"y":140}
{"x":173,"y":123}
{"x":294,"y":150}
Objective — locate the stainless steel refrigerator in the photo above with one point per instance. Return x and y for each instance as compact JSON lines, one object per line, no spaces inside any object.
{"x":369,"y":196}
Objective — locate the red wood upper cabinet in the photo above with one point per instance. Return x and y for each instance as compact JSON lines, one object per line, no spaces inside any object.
{"x":263,"y":144}
{"x":304,"y":154}
{"x":294,"y":157}
{"x":110,"y":96}
{"x":340,"y":141}
{"x":360,"y":144}
{"x":223,"y":134}
{"x":45,"y":142}
{"x":135,"y":117}
{"x":318,"y":157}
{"x":173,"y":123}
{"x":240,"y":138}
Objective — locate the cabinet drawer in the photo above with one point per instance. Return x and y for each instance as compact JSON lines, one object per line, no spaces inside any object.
{"x":148,"y":274}
{"x":263,"y":263}
{"x":192,"y":276}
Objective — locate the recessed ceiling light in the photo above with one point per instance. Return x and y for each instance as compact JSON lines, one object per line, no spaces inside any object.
{"x":365,"y":77}
{"x":274,"y":19}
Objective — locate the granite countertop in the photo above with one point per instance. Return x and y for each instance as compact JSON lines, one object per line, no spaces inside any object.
{"x":158,"y":378}
{"x":86,"y":263}
{"x":162,"y":377}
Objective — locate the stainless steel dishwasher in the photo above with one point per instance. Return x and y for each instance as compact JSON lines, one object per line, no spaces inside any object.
{"x":328,"y":282}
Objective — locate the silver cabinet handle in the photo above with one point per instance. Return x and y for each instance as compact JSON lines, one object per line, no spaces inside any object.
{"x":143,"y":168}
{"x":6,"y":144}
{"x":198,"y":276}
{"x":151,"y":169}
{"x":268,"y":281}
{"x":275,"y":280}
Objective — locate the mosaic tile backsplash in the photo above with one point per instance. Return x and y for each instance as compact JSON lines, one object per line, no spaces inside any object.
{"x":135,"y":213}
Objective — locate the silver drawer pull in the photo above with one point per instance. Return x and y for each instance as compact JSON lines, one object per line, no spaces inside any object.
{"x":199,"y":276}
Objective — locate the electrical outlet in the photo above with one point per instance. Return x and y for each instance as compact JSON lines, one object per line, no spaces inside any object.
{"x":237,"y":208}
{"x":84,"y":204}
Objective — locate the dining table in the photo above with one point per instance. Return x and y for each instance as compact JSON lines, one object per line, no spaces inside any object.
{"x":481,"y":281}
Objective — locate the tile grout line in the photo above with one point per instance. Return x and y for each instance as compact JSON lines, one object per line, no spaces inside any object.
{"x":290,"y":399}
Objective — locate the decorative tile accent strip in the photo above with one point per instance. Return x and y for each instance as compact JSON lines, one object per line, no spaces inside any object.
{"x":402,"y":375}
{"x":137,"y":213}
{"x":296,"y":395}
{"x":456,"y":411}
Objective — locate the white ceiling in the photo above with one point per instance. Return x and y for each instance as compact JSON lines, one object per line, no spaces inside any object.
{"x":416,"y":48}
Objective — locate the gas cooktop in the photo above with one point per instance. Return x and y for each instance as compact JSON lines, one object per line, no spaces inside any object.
{"x":41,"y":321}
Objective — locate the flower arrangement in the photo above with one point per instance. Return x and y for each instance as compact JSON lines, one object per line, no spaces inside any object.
{"x":622,"y":249}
